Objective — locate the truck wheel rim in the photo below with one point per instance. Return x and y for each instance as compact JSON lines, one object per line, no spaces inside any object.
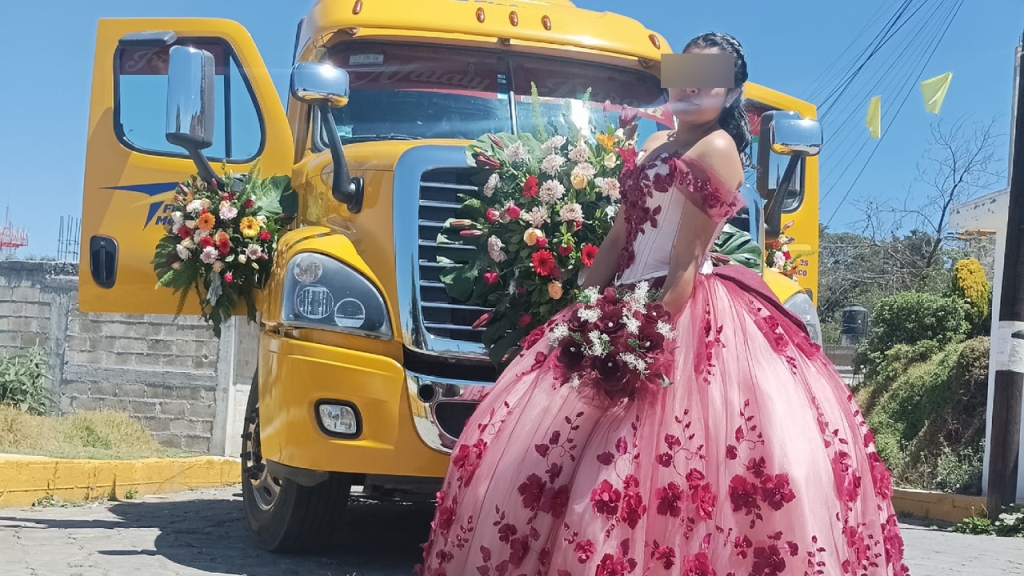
{"x":265,"y":488}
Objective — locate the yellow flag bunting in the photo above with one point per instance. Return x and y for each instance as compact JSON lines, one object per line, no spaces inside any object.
{"x":874,"y":120}
{"x":934,"y":91}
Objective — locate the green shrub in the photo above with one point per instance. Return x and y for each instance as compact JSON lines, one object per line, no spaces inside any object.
{"x":1010,"y":523}
{"x":23,"y":382}
{"x":926,"y":406}
{"x":975,"y":525}
{"x":910,"y":319}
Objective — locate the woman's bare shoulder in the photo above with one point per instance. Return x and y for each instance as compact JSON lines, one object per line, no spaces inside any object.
{"x":717,"y":152}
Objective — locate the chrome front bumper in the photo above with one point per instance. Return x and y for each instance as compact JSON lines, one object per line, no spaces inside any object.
{"x":441,"y":406}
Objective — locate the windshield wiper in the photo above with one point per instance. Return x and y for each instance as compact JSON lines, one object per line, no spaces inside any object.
{"x":376,"y":137}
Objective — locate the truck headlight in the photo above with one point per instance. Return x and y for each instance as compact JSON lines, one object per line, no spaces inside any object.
{"x":322,"y":293}
{"x":801,"y":305}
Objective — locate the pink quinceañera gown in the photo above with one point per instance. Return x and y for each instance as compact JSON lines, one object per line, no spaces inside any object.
{"x":755,"y":461}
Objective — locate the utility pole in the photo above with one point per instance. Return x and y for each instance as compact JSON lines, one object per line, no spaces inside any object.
{"x":1008,"y":339}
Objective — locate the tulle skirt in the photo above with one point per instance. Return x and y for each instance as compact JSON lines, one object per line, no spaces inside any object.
{"x":755,"y":461}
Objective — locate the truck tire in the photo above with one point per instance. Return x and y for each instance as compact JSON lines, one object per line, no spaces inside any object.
{"x":282,"y":515}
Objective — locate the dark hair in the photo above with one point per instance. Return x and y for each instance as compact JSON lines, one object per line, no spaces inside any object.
{"x":734,"y":118}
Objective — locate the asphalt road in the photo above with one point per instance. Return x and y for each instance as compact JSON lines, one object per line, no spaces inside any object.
{"x":203,"y":533}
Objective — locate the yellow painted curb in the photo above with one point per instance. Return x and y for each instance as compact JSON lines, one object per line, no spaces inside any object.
{"x":23,"y":480}
{"x":937,"y":505}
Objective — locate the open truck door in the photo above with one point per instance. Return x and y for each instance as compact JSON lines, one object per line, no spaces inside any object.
{"x":131,"y":168}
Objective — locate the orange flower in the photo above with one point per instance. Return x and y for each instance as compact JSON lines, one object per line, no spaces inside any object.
{"x":606,"y":140}
{"x":206,"y":222}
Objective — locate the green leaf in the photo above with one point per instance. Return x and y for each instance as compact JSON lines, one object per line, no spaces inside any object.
{"x":460,"y":281}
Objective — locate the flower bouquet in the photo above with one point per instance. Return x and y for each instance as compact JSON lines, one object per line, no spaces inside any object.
{"x":537,"y":220}
{"x":221,"y":243}
{"x":614,"y":344}
{"x":778,"y":256}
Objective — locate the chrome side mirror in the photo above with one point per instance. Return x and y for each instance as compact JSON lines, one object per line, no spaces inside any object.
{"x":189,"y":122}
{"x":316,"y":82}
{"x":791,"y":135}
{"x":325,"y":86}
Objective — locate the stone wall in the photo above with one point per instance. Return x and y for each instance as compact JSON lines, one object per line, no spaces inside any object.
{"x":175,"y":377}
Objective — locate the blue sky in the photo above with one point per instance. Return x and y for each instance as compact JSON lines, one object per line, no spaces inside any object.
{"x":46,"y":66}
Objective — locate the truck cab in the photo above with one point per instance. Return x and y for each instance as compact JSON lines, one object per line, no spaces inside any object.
{"x":367,"y":369}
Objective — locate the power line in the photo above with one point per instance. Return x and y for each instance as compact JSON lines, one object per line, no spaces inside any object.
{"x":949,"y":23}
{"x":891,"y":73}
{"x":833,"y":67}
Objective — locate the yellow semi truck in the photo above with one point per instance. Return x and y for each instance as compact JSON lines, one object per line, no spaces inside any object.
{"x":367,"y":370}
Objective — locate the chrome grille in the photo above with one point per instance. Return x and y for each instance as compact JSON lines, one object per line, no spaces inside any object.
{"x":438,"y":201}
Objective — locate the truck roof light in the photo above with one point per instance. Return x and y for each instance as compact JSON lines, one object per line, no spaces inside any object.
{"x":655,"y":40}
{"x":513,"y":18}
{"x":480,"y":15}
{"x":546,"y":21}
{"x":357,"y":7}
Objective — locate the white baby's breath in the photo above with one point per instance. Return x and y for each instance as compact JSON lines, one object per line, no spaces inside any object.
{"x":665,"y":329}
{"x":590,"y":295}
{"x":636,"y":363}
{"x":599,"y":343}
{"x":632,"y":323}
{"x":589,"y":314}
{"x":557,"y":334}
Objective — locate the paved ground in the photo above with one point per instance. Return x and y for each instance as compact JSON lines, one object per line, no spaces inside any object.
{"x":199,"y":533}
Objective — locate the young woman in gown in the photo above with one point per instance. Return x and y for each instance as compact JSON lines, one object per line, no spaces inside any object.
{"x":755,"y":461}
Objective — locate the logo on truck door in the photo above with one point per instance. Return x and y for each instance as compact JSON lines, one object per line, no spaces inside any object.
{"x":159,"y":196}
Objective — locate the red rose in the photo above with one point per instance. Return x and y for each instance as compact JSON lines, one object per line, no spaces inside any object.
{"x":184,"y":232}
{"x":228,"y":277}
{"x":530,"y":187}
{"x":264,"y":235}
{"x":587,"y":254}
{"x":491,"y":215}
{"x":513,"y":212}
{"x":525,"y":320}
{"x":543,"y":263}
{"x":542,"y":242}
{"x":491,"y":278}
{"x":565,"y":249}
{"x":570,"y":354}
{"x":249,"y":204}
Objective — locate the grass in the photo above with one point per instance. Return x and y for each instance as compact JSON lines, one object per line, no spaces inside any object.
{"x":100,"y":435}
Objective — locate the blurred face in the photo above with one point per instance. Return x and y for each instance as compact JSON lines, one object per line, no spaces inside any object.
{"x":699,"y":106}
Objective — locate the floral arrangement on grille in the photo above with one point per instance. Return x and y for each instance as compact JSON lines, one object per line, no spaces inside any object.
{"x":614,"y":343}
{"x":541,"y":212}
{"x":221,"y":243}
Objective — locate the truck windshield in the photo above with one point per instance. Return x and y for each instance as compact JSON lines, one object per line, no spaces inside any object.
{"x":405,"y":91}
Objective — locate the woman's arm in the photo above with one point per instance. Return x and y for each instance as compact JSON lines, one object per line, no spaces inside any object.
{"x":716,"y":153}
{"x":602,"y":271}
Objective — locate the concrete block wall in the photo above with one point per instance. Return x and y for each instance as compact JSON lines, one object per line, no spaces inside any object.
{"x":174,"y":377}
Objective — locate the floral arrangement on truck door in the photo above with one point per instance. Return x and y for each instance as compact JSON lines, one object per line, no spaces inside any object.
{"x":543,"y":207}
{"x":221,"y":243}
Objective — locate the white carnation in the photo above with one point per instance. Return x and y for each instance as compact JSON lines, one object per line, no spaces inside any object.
{"x":183,"y":253}
{"x":609,"y":187}
{"x":537,"y":217}
{"x":585,"y":169}
{"x":491,"y":185}
{"x":194,"y":207}
{"x":209,"y":255}
{"x":571,"y":213}
{"x":516,"y":153}
{"x":551,"y":192}
{"x":553,"y":144}
{"x":579,"y":153}
{"x":552,"y":164}
{"x":494,"y":246}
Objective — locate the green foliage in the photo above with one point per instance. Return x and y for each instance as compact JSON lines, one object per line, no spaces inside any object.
{"x":970,"y":285}
{"x":23,"y":382}
{"x":739,"y":247}
{"x":926,"y":406}
{"x":909,"y":319}
{"x":975,"y":526}
{"x":1010,"y":523}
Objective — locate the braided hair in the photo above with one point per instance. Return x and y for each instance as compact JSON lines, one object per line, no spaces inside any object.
{"x":734,"y":118}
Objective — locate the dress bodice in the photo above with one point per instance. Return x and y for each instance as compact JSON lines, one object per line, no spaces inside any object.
{"x":655,"y":194}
